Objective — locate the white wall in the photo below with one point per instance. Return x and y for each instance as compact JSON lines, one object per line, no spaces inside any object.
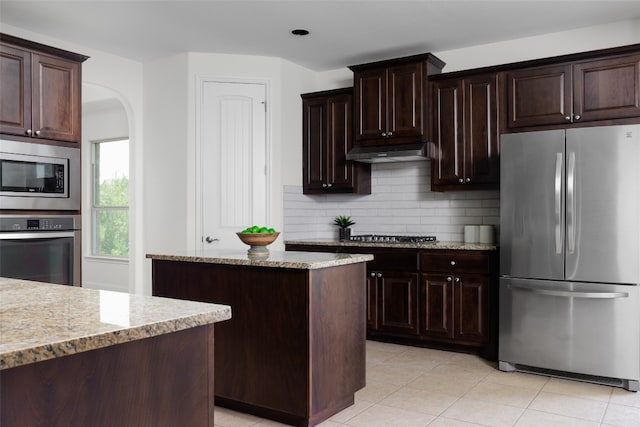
{"x":124,"y":78}
{"x":101,"y":120}
{"x":547,"y":45}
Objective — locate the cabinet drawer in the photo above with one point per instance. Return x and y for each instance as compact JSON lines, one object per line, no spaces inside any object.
{"x":455,"y":262}
{"x":396,"y":260}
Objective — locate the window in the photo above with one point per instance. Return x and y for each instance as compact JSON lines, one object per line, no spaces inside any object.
{"x":110,"y":201}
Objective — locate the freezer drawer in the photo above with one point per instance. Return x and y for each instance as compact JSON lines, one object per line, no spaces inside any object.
{"x":591,"y":329}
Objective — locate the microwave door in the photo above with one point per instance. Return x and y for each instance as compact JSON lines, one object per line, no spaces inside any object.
{"x":532,"y":206}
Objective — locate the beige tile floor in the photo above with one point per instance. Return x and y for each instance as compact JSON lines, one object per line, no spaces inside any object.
{"x":415,"y":387}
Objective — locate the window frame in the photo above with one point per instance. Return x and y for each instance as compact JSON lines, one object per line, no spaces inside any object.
{"x":96,"y":209}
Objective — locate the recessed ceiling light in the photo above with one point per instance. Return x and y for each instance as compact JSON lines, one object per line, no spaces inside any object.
{"x":299,"y":32}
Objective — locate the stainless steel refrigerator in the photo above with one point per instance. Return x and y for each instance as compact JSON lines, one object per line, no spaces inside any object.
{"x":569,"y":254}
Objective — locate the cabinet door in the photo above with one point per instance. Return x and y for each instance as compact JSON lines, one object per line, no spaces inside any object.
{"x":398,"y":302}
{"x":539,"y":96}
{"x":607,"y":89}
{"x":55,"y":98}
{"x":470,"y":308}
{"x":314,"y":140}
{"x":405,"y":102}
{"x":15,"y":87}
{"x":372,"y":301}
{"x":448,"y":166}
{"x":371,"y":101}
{"x":481,"y":134}
{"x":340,"y":172}
{"x":436,"y":296}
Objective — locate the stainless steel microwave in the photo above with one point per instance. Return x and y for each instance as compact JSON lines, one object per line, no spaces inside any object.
{"x":39,"y":176}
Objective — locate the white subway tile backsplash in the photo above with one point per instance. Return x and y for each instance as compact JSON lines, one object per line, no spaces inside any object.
{"x":400,"y":203}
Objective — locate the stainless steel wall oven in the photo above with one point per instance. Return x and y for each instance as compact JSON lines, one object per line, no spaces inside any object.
{"x":42,"y":248}
{"x":39,"y":176}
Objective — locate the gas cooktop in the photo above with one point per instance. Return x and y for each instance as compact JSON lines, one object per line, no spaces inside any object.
{"x":379,"y":238}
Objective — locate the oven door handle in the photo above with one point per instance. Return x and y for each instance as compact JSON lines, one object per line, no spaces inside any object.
{"x":17,"y":235}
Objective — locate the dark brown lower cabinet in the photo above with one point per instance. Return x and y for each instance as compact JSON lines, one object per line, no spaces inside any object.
{"x":429,"y":297}
{"x":398,"y":302}
{"x":455,"y":308}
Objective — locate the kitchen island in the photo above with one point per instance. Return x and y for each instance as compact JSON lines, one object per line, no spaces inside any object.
{"x":71,"y":356}
{"x":294,"y":351}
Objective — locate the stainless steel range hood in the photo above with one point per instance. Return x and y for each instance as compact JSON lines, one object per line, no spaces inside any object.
{"x":390,"y":153}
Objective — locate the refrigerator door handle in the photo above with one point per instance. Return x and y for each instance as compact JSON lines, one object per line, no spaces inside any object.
{"x":571,"y":202}
{"x":570,"y":294}
{"x":558,"y":203}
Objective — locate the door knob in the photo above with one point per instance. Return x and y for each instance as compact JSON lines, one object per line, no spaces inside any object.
{"x":577,"y":117}
{"x":38,"y":132}
{"x":28,"y":132}
{"x":208,"y":239}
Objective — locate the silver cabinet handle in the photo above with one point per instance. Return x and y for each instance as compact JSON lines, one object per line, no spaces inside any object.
{"x":567,"y":118}
{"x":460,"y":180}
{"x":37,"y":133}
{"x":468,"y":180}
{"x":373,"y":274}
{"x":576,"y":117}
{"x":448,"y":278}
{"x":329,"y":185}
{"x":570,"y":294}
{"x":29,"y":132}
{"x":379,"y":274}
{"x":384,"y":134}
{"x":457,"y":279}
{"x":571,"y":203}
{"x":453,"y":263}
{"x":389,"y":133}
{"x":558,"y":203}
{"x":208,"y":239}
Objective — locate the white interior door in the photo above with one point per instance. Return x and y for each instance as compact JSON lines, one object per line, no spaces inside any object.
{"x":233,"y":186}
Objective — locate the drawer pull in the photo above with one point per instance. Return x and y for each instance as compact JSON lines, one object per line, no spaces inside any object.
{"x":453,"y":263}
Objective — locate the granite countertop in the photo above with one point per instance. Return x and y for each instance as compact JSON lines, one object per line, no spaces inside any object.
{"x":429,"y":245}
{"x":275,"y":259}
{"x":41,"y":321}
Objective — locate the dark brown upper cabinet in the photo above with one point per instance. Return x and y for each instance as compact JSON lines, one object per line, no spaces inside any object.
{"x":574,"y":92}
{"x":40,"y":88}
{"x":466,"y":133}
{"x":392,"y":100}
{"x":327,"y":137}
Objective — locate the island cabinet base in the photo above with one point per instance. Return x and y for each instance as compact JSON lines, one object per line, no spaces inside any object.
{"x":294,"y":350}
{"x":166,"y":380}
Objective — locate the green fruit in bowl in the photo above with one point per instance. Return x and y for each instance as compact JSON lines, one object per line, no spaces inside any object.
{"x":258,"y":230}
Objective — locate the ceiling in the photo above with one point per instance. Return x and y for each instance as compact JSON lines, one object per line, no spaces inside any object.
{"x":342,"y":32}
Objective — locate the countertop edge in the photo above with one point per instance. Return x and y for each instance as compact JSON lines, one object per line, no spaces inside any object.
{"x":302,"y":265}
{"x":40,"y":353}
{"x":418,"y":246}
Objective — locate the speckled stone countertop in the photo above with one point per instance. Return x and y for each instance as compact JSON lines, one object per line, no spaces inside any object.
{"x":41,"y":321}
{"x":276,"y":259}
{"x":432,"y":245}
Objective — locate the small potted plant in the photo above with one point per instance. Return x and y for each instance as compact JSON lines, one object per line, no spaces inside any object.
{"x":344,"y":222}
